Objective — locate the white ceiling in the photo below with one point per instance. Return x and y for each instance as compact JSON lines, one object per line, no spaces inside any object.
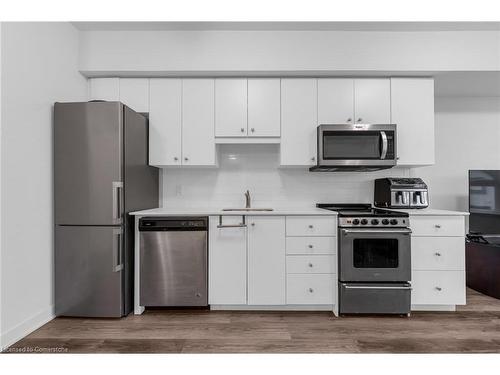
{"x":256,"y":26}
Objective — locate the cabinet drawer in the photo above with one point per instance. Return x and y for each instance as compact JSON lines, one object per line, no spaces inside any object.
{"x":310,"y":289}
{"x":311,"y":245}
{"x":311,"y":226}
{"x":437,"y":225}
{"x":311,"y":264}
{"x":438,"y":288}
{"x":438,"y":253}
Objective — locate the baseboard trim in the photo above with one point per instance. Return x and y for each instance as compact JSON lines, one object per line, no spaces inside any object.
{"x":433,"y":308}
{"x":274,"y":307}
{"x":24,"y":328}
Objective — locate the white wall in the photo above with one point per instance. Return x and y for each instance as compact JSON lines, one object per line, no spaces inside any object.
{"x":294,"y":52}
{"x":39,"y":67}
{"x":467,"y":137}
{"x":256,"y":167}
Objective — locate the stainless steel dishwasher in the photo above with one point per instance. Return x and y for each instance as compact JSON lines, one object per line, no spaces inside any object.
{"x":173,"y":261}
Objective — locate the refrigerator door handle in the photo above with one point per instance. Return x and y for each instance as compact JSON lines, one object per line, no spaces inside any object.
{"x":117,"y":250}
{"x":117,"y":202}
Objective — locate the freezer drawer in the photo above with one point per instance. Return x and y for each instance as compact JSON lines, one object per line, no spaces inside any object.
{"x":89,"y":271}
{"x":374,"y":298}
{"x":173,"y":267}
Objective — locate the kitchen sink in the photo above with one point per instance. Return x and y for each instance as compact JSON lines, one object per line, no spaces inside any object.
{"x":248,"y":209}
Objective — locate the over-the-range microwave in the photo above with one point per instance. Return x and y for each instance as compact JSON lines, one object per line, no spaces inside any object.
{"x":355,"y":147}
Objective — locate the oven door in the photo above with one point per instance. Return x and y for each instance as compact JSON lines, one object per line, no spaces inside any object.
{"x":375,"y":254}
{"x":356,"y":145}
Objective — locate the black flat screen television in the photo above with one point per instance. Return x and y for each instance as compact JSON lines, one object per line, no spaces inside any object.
{"x":484,"y":201}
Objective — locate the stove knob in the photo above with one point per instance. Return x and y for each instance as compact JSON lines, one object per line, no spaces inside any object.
{"x":394,"y":221}
{"x":364,"y":221}
{"x":355,"y":221}
{"x":374,"y":222}
{"x":385,"y":222}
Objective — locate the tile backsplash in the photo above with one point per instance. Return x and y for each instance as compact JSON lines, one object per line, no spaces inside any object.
{"x":256,"y":168}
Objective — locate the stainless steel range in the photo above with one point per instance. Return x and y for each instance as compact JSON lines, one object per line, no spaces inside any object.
{"x":374,"y":259}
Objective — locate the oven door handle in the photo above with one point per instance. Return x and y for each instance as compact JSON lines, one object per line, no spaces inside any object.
{"x":387,"y":231}
{"x":383,"y":153}
{"x":379,"y":287}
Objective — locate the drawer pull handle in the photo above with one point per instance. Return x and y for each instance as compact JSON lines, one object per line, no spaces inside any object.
{"x":438,"y":288}
{"x":311,"y":290}
{"x":310,"y":246}
{"x":311,"y":226}
{"x":310,"y":265}
{"x":438,"y":226}
{"x":438,"y":254}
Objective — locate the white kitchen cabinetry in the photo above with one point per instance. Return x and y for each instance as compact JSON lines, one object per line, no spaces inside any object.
{"x":134,"y":92}
{"x":298,"y":121}
{"x":231,"y":107}
{"x":335,"y":101}
{"x":165,"y":121}
{"x":247,"y":107}
{"x":104,"y":89}
{"x":260,"y":264}
{"x":198,"y":132}
{"x":412,"y":110}
{"x":438,"y":261}
{"x":181,"y":113}
{"x":266,"y":260}
{"x":372,"y":100}
{"x":227,"y":254}
{"x":264,"y":118}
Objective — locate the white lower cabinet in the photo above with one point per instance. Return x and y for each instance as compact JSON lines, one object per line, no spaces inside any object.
{"x":310,"y":289}
{"x":438,"y":288}
{"x":266,"y":260}
{"x":438,"y":260}
{"x":256,"y":264}
{"x":227,"y":261}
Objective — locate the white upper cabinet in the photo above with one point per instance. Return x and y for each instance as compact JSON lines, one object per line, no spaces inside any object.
{"x":198,"y":128}
{"x":134,"y":92}
{"x":335,"y":101}
{"x":264,"y":107}
{"x":412,"y":101}
{"x":231,"y":107}
{"x":298,"y":121}
{"x":372,"y":100}
{"x":165,"y":121}
{"x":104,"y":89}
{"x":266,"y":260}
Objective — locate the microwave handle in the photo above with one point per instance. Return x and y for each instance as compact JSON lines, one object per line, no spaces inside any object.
{"x":384,"y":145}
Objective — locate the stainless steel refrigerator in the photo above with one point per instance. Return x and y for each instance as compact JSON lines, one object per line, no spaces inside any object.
{"x":101,"y":173}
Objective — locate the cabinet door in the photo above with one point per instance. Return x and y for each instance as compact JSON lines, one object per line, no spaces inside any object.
{"x":266,"y":260}
{"x":198,"y":139}
{"x":412,"y":106}
{"x":264,"y":107}
{"x":227,"y":260}
{"x":335,"y":101}
{"x":134,"y":93}
{"x":298,"y":121}
{"x":165,"y":111}
{"x":230,"y":107}
{"x":372,"y":100}
{"x":104,"y":89}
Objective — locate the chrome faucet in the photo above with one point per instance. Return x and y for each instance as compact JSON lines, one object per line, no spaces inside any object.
{"x":247,"y":197}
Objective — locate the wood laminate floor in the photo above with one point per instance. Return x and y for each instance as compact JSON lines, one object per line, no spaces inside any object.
{"x":474,"y":328}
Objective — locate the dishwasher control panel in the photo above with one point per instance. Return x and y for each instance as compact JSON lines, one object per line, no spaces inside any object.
{"x":172,"y":223}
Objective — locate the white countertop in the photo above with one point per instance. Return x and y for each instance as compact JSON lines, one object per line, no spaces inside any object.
{"x":177,"y":211}
{"x":431,"y":212}
{"x":207,"y":211}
